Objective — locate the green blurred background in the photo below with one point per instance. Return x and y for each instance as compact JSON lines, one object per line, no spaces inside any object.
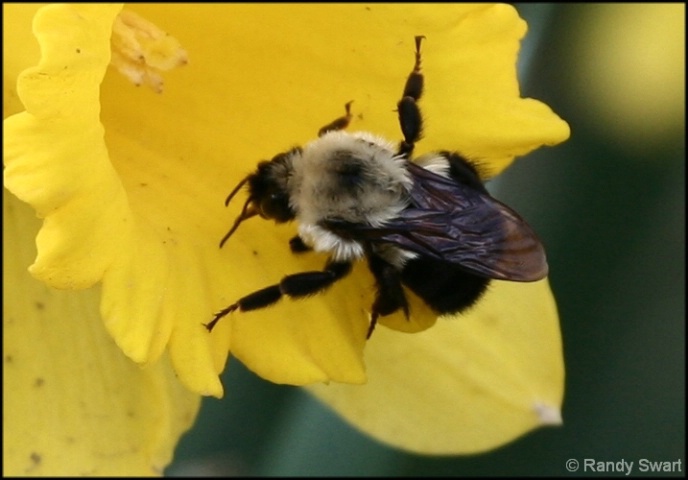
{"x":609,"y":205}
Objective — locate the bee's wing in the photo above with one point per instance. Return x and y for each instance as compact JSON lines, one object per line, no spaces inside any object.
{"x":487,"y":238}
{"x":461,"y":225}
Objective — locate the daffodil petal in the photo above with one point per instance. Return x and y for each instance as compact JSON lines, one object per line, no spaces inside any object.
{"x":65,"y":177}
{"x":56,"y":159}
{"x":74,"y":405}
{"x":469,"y":384}
{"x":16,"y":18}
{"x":476,"y":86}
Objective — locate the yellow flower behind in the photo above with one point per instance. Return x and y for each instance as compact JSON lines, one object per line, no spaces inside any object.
{"x":73,"y":404}
{"x":131,"y":184}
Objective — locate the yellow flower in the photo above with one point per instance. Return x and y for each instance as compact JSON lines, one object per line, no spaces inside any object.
{"x":130,"y":185}
{"x":73,"y":404}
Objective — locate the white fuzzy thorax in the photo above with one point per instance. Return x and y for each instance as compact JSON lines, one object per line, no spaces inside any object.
{"x":434,"y":162}
{"x":322,"y":240}
{"x":355,"y":177}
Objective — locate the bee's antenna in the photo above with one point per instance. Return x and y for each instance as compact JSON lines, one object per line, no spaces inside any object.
{"x":247,"y":212}
{"x":236,"y":189}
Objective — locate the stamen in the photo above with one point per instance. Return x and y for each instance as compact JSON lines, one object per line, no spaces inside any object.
{"x":141,"y":50}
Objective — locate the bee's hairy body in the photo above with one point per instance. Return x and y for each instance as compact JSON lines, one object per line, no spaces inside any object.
{"x":426,"y":223}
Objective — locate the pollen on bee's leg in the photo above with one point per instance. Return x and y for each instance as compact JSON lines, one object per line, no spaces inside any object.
{"x":141,"y":50}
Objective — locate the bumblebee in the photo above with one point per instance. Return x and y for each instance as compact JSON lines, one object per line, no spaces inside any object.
{"x":425,"y":223}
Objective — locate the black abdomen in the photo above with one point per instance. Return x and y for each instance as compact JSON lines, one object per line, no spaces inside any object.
{"x":445,"y":287}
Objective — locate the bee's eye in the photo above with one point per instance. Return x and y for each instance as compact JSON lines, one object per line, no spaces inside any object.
{"x":276,"y":207}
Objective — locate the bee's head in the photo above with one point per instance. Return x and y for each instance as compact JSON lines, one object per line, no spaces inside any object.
{"x":268,"y":192}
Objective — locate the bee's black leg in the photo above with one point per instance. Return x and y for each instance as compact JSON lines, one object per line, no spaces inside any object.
{"x":297,"y":245}
{"x":410,"y":118}
{"x":298,"y":285}
{"x":339,"y":124}
{"x":390,"y":295}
